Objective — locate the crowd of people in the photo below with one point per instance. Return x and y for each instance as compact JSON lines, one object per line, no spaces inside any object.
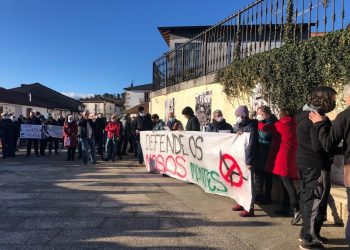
{"x":299,"y":146}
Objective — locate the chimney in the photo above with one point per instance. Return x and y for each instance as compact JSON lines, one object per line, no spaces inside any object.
{"x":30,"y":97}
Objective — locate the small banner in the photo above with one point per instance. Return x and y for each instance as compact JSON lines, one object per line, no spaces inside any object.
{"x":214,"y":161}
{"x":30,"y":131}
{"x":55,"y":131}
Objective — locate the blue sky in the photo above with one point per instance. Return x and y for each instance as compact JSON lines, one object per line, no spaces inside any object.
{"x":92,"y":46}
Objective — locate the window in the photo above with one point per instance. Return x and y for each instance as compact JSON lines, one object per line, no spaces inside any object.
{"x":95,"y":107}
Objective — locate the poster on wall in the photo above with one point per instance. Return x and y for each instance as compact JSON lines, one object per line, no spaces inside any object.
{"x":169,"y":107}
{"x":203,"y":108}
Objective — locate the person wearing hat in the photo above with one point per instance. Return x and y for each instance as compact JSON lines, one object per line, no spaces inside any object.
{"x":6,"y":135}
{"x":53,"y":142}
{"x":245,"y":124}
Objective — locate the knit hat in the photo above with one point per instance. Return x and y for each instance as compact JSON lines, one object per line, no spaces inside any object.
{"x":242,"y":111}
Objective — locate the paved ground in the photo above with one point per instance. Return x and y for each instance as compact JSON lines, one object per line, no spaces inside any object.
{"x":48,"y":203}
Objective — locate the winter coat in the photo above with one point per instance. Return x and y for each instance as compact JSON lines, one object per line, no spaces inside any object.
{"x":100,"y":126}
{"x":249,"y":126}
{"x":282,"y":156}
{"x":83,"y":128}
{"x":70,"y":133}
{"x":174,"y":125}
{"x":142,"y":123}
{"x":193,"y":124}
{"x":219,"y":126}
{"x":159,"y":125}
{"x":310,"y":153}
{"x":113,"y":130}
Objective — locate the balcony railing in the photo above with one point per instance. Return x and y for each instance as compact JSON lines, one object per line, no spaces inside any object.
{"x":261,"y":26}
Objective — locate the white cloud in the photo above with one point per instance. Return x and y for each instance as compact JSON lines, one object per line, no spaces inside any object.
{"x":77,"y":95}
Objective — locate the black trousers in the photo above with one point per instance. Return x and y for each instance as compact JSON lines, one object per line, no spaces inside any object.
{"x":53,"y":144}
{"x":292,"y":192}
{"x":99,"y":145}
{"x":35,"y":143}
{"x":71,"y":153}
{"x":43,"y":145}
{"x":314,"y":192}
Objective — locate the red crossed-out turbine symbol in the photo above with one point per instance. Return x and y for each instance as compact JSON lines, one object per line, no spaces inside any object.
{"x":227,"y":170}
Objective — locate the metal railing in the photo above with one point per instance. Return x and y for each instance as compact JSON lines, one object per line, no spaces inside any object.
{"x":261,"y":26}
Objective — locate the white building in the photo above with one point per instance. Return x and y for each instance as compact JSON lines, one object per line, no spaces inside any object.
{"x":106,"y":106}
{"x":136,"y":95}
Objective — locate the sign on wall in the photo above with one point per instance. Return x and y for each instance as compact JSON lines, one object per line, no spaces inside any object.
{"x":169,"y":106}
{"x":214,"y":161}
{"x":203,"y":108}
{"x":30,"y":131}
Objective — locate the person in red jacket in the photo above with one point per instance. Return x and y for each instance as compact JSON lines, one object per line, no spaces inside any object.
{"x":113,"y":132}
{"x":282,"y":159}
{"x":70,"y":133}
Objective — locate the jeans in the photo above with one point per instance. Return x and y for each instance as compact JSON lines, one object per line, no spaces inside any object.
{"x":111,"y":148}
{"x":139,"y":152}
{"x":86,"y":144}
{"x":347,"y":229}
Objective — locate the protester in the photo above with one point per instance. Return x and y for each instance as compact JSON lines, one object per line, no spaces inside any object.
{"x":113,"y":134}
{"x":70,"y":136}
{"x":44,"y":136}
{"x":16,"y":133}
{"x":100,"y":126}
{"x":244,"y":124}
{"x":330,"y":139}
{"x":266,"y":129}
{"x":120,"y":139}
{"x":282,"y":160}
{"x":174,"y":124}
{"x":53,"y":142}
{"x":87,"y":135}
{"x":158,"y":124}
{"x":219,"y":124}
{"x":134,"y":136}
{"x":192,"y":121}
{"x":126,"y":121}
{"x":314,"y":165}
{"x":6,"y":136}
{"x":60,"y":122}
{"x":35,"y":142}
{"x":142,"y":122}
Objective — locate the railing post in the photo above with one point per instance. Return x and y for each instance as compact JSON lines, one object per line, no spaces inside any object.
{"x":183,"y":63}
{"x":166,"y":71}
{"x":205,"y":55}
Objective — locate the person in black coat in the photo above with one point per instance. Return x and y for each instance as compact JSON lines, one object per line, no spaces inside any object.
{"x":244,"y":124}
{"x":53,"y":142}
{"x":87,"y":128}
{"x":192,"y":120}
{"x":219,"y":124}
{"x":99,"y":133}
{"x":330,"y":139}
{"x":16,"y":124}
{"x":34,"y":120}
{"x":314,"y":165}
{"x":6,"y":136}
{"x":143,"y":122}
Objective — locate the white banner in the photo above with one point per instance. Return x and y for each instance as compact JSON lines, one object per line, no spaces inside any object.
{"x":55,"y":131}
{"x":30,"y":131}
{"x":214,"y":161}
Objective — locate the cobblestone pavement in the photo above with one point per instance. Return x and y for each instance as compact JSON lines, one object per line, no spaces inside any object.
{"x":49,"y":203}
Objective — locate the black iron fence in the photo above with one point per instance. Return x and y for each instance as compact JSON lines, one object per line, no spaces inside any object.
{"x":261,"y":26}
